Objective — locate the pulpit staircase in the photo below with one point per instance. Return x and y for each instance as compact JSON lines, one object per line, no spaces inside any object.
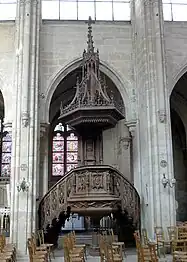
{"x":88,"y":190}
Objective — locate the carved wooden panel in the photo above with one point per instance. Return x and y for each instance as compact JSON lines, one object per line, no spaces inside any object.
{"x":78,"y":188}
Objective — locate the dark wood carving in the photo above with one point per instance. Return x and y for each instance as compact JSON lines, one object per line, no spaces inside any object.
{"x":88,"y":190}
{"x":93,"y":104}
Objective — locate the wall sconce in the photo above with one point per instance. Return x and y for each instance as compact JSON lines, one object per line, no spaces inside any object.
{"x":23,"y":186}
{"x":166,"y":181}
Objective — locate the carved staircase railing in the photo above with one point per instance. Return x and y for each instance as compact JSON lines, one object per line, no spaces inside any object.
{"x":90,"y":188}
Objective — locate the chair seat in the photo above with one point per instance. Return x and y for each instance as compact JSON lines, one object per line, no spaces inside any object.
{"x":41,"y":248}
{"x":165,"y":241}
{"x":78,"y":249}
{"x":5,"y":256}
{"x":38,"y":256}
{"x":80,"y":245}
{"x":39,"y":260}
{"x":180,"y":253}
{"x":76,"y":259}
{"x":118,"y":259}
{"x":46,"y":245}
{"x":41,"y":253}
{"x":118,"y":243}
{"x":7,"y":252}
{"x":9,"y":249}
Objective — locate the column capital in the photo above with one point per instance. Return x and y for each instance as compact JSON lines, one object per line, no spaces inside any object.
{"x":131,"y":126}
{"x":44,"y":127}
{"x":7,"y":126}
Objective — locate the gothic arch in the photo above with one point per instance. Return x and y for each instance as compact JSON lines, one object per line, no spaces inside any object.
{"x":180,"y":108}
{"x":177,"y":76}
{"x":61,"y":74}
{"x":2,"y":104}
{"x":2,"y":97}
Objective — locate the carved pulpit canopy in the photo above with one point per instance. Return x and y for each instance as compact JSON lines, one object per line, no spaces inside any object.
{"x":92,"y":104}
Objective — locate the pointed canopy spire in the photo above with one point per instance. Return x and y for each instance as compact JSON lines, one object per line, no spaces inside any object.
{"x":90,"y":48}
{"x":91,"y":103}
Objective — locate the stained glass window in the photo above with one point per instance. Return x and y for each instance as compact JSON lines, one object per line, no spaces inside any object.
{"x":64,"y":150}
{"x":5,"y":151}
{"x":6,"y":154}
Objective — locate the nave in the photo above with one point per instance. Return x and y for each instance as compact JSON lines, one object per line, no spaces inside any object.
{"x":169,"y":244}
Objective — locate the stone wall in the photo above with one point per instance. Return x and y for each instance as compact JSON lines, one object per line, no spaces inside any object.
{"x":115,"y":152}
{"x":63,"y":42}
{"x":175,"y":36}
{"x":176,"y":57}
{"x":7,"y":58}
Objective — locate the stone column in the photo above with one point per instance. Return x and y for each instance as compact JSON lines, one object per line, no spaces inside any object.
{"x":25,"y":146}
{"x":153,"y":127}
{"x":44,"y":163}
{"x":133,"y":149}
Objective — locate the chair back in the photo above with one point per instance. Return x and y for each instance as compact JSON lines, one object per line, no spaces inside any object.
{"x":172,"y":232}
{"x":159,"y":232}
{"x":144,"y":236}
{"x":153,"y":254}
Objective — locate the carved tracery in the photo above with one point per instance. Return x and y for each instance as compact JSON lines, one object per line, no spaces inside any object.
{"x":94,"y":103}
{"x":91,"y":188}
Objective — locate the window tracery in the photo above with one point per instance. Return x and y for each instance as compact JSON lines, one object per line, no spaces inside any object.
{"x":175,"y":10}
{"x":5,"y":152}
{"x":64,"y":150}
{"x":117,"y":10}
{"x":8,"y":9}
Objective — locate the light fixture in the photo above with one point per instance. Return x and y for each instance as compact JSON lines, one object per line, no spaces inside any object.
{"x":170,"y":182}
{"x":23,"y":186}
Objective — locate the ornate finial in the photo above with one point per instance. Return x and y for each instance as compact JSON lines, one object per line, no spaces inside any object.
{"x":90,"y":48}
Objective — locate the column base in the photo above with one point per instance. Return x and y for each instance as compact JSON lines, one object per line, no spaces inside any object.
{"x":22,"y":257}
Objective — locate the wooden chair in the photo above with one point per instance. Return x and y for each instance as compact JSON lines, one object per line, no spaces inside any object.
{"x":101,"y":248}
{"x":145,"y":253}
{"x":153,"y":252}
{"x":145,"y":237}
{"x":38,"y":248}
{"x":36,"y":256}
{"x":72,"y":254}
{"x":162,"y":243}
{"x":172,"y":233}
{"x":49,"y":247}
{"x":108,"y":252}
{"x":179,"y":250}
{"x":139,"y":251}
{"x":182,"y":232}
{"x":7,"y":251}
{"x":111,"y":255}
{"x":119,"y":245}
{"x":75,"y":245}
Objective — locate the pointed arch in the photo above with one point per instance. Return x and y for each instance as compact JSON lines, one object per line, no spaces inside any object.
{"x":177,"y":76}
{"x":5,"y":143}
{"x":64,"y":71}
